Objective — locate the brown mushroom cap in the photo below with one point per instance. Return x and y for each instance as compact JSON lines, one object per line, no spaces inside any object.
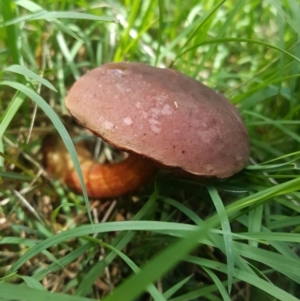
{"x":163,"y":115}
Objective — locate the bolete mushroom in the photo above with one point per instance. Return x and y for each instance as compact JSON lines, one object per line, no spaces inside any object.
{"x":161,"y":117}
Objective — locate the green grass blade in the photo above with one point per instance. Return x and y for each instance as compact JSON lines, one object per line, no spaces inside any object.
{"x":160,"y":28}
{"x":255,"y":222}
{"x":44,"y":15}
{"x":224,"y":221}
{"x":172,"y":290}
{"x":101,"y":228}
{"x":28,"y":73}
{"x":11,"y":111}
{"x":32,"y":283}
{"x":218,"y":283}
{"x":240,"y":40}
{"x":12,"y":31}
{"x":20,"y":292}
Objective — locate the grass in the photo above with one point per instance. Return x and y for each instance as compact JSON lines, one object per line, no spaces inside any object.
{"x":176,"y":239}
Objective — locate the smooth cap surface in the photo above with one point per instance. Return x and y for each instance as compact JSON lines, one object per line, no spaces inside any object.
{"x":163,"y":115}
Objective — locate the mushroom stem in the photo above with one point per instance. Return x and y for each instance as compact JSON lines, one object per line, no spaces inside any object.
{"x":101,"y":180}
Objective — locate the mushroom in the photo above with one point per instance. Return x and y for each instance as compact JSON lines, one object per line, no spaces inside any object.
{"x":161,"y":117}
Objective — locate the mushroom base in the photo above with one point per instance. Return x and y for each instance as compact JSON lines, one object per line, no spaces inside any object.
{"x":101,"y":180}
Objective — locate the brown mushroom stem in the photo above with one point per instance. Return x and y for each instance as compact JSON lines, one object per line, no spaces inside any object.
{"x":101,"y":180}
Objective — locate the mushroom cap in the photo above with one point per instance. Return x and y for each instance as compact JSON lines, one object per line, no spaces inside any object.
{"x":163,"y":115}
